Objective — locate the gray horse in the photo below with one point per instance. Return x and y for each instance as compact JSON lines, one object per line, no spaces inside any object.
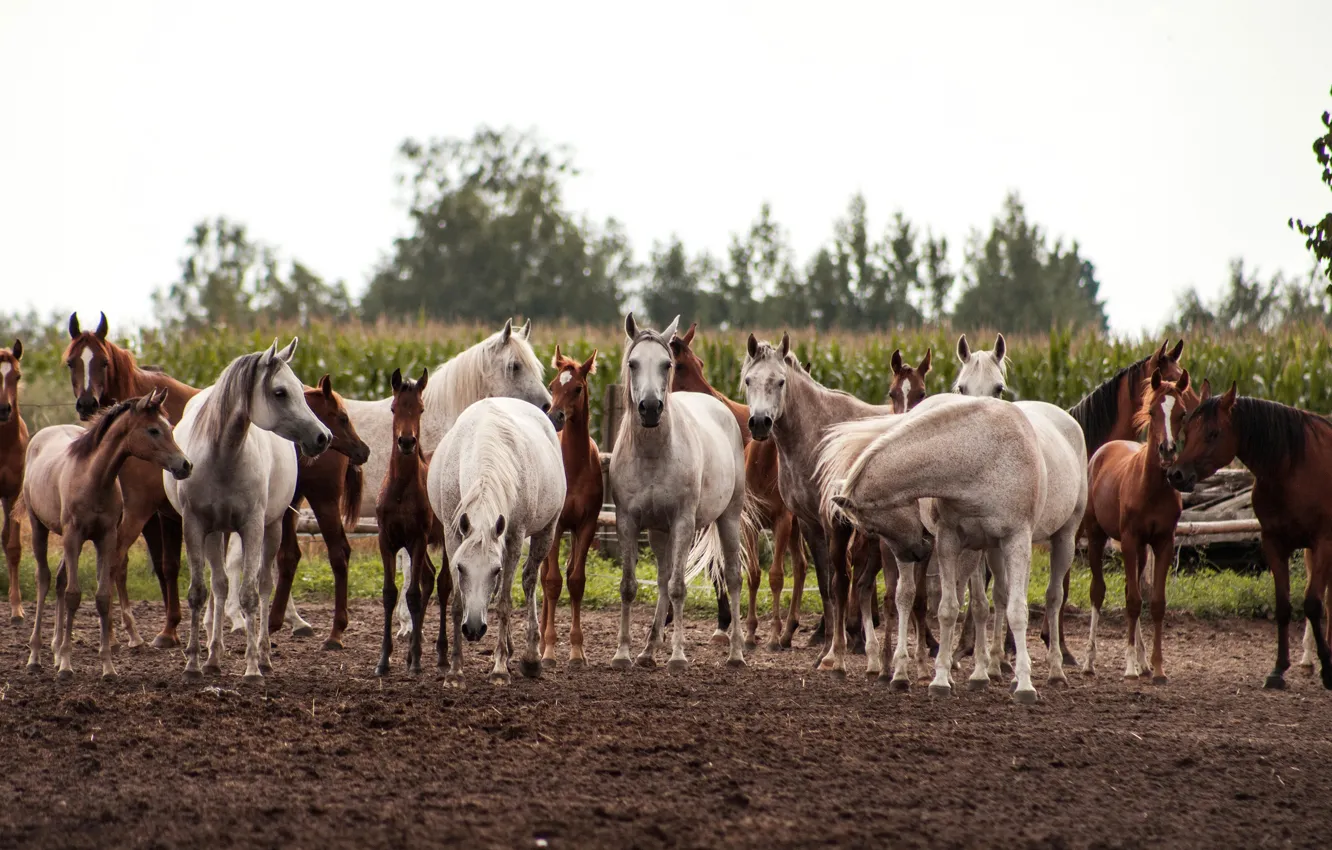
{"x":678,"y":472}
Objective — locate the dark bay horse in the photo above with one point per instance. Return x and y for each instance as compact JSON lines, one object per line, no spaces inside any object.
{"x":13,"y":449}
{"x":583,"y":493}
{"x":101,"y":374}
{"x":1289,"y":452}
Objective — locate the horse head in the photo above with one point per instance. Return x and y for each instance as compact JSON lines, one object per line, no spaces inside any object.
{"x":328,"y":407}
{"x":983,"y":373}
{"x":1207,"y":440}
{"x":1164,"y":406}
{"x":88,"y":358}
{"x":569,"y":390}
{"x":277,"y":402}
{"x":407,"y":408}
{"x":763,"y":376}
{"x":648,"y":369}
{"x":511,"y":368}
{"x":9,"y":380}
{"x":908,"y":387}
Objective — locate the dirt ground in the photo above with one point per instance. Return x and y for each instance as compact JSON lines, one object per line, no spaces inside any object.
{"x":326,"y":755}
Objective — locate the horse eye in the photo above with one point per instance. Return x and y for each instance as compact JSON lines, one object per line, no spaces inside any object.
{"x":342,"y":419}
{"x":998,"y":390}
{"x":633,"y":366}
{"x":280,"y":392}
{"x":1213,"y":435}
{"x":154,"y":432}
{"x":70,"y":364}
{"x":781,"y":383}
{"x":577,"y":391}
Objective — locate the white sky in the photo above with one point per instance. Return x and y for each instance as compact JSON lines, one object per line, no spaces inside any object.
{"x":1166,"y":137}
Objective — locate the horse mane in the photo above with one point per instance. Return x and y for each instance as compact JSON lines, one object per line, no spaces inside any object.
{"x":626,"y":435}
{"x":461,"y":381}
{"x":843,"y":444}
{"x":495,"y":485}
{"x":1268,"y":434}
{"x":1098,"y":411}
{"x":86,"y":443}
{"x":232,"y":394}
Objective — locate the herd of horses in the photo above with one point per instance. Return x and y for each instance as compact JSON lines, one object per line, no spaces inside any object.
{"x":482,"y":458}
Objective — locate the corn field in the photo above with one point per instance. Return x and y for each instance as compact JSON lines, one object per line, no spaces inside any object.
{"x":1292,"y":366}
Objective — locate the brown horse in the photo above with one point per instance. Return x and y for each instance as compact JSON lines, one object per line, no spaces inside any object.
{"x":71,"y":488}
{"x":1289,"y":452}
{"x":13,"y":449}
{"x":1129,"y":500}
{"x":331,"y":484}
{"x":101,"y":374}
{"x":582,"y":502}
{"x":407,"y":522}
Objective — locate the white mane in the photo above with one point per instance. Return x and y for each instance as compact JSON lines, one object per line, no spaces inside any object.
{"x":463,"y":380}
{"x":494,"y":490}
{"x":840,"y":451}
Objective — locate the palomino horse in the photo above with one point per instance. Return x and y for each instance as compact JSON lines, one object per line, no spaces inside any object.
{"x":790,"y":407}
{"x":236,"y":432}
{"x":678,"y":472}
{"x":496,"y":481}
{"x":582,"y":502}
{"x":331,"y":483}
{"x":101,"y":374}
{"x":406,"y":522}
{"x":501,"y":365}
{"x":999,"y":477}
{"x":1129,"y":500}
{"x":1289,"y":452}
{"x":71,"y":489}
{"x":13,"y":450}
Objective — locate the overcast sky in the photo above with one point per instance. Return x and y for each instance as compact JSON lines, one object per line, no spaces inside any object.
{"x":1166,"y":137}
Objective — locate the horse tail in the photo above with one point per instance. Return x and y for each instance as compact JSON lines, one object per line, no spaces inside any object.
{"x":843,"y":446}
{"x":707,"y":554}
{"x":353,"y":482}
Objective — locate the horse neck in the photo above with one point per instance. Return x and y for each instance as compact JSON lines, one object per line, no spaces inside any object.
{"x":442,"y":407}
{"x":808,"y":410}
{"x":13,"y":431}
{"x":404,"y":473}
{"x":110,"y":455}
{"x":576,"y":439}
{"x":178,"y":393}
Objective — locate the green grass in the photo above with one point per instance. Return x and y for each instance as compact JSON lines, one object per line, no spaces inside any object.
{"x":1206,"y":592}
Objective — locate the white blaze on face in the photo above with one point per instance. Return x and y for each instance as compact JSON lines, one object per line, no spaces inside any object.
{"x":565,"y":377}
{"x":1166,"y":406}
{"x":5,"y":369}
{"x":87,"y":368}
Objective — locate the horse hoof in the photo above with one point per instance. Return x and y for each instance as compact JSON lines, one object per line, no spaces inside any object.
{"x":577,"y":663}
{"x":941,"y":691}
{"x":135,"y":643}
{"x":530,"y":669}
{"x":64,"y":675}
{"x":872,"y":674}
{"x":1069,"y":660}
{"x":978,"y":684}
{"x":34,"y":668}
{"x":252,"y":679}
{"x":1089,"y":671}
{"x":213,"y":669}
{"x":737,"y":663}
{"x":332,"y":645}
{"x":773,"y":646}
{"x":1275,"y":682}
{"x":647,"y":662}
{"x":1005,"y":667}
{"x":720,"y":638}
{"x":165,"y":642}
{"x":900,"y":686}
{"x":16,"y":620}
{"x":303,"y":631}
{"x":751,"y":646}
{"x":192,"y":675}
{"x":267,"y":669}
{"x":1024,"y":697}
{"x":110,"y":677}
{"x":1159,"y":680}
{"x":836,"y":673}
{"x":381,"y":669}
{"x":500,"y":680}
{"x":1057,"y":681}
{"x":548,"y":663}
{"x":677,"y":665}
{"x":621,"y":663}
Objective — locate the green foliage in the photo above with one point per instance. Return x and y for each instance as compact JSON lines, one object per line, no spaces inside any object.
{"x":1250,"y":304}
{"x":1318,"y":234}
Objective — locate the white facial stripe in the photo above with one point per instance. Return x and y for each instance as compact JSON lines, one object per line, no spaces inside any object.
{"x":1166,"y":406}
{"x":87,"y":368}
{"x":5,"y":369}
{"x":565,"y":377}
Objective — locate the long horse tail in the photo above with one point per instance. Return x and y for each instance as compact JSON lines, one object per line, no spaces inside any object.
{"x":706,"y":553}
{"x":840,"y":451}
{"x":353,"y":482}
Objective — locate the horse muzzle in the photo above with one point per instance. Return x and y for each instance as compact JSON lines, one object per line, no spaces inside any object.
{"x":474,"y":628}
{"x":182,"y":470}
{"x":557,"y":420}
{"x":1183,"y":480}
{"x":649,"y":412}
{"x":314,"y":446}
{"x":407,"y":445}
{"x":85,"y":406}
{"x":359,"y":454}
{"x":760,"y":426}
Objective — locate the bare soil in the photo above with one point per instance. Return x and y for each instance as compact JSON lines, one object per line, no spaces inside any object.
{"x":326,"y":755}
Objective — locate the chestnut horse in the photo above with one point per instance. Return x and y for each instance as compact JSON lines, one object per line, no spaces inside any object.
{"x":103,"y":373}
{"x":1289,"y":452}
{"x":407,"y":522}
{"x":582,"y":502}
{"x":13,"y":448}
{"x":1129,"y":500}
{"x":71,"y":488}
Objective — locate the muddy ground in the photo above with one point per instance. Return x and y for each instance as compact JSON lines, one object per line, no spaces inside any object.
{"x":327,"y":755}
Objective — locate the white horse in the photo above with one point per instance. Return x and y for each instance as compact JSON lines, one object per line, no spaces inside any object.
{"x":985,"y":373}
{"x":495,"y":481}
{"x":678,"y":472}
{"x":236,"y":432}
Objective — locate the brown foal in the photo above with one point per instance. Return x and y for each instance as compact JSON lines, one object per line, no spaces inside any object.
{"x":1130,"y":500}
{"x":582,"y":502}
{"x":407,"y":522}
{"x":101,"y":374}
{"x":13,"y":449}
{"x":331,"y":484}
{"x":72,"y":489}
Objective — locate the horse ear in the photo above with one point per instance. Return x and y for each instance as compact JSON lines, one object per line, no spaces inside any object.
{"x":963,"y":350}
{"x":1156,"y":379}
{"x":396,"y":380}
{"x":630,"y":326}
{"x":555,"y":358}
{"x":752,"y":345}
{"x":1206,"y":390}
{"x":689,"y":334}
{"x":17,"y":350}
{"x":589,"y":366}
{"x":897,"y":361}
{"x":287,"y":353}
{"x":74,"y":326}
{"x":326,"y":386}
{"x":1177,"y":351}
{"x":269,"y":354}
{"x":464,"y":525}
{"x":423,"y":380}
{"x":786,"y":344}
{"x":1183,"y":383}
{"x":671,"y":328}
{"x":1161,"y":352}
{"x":1228,"y":400}
{"x":102,"y":328}
{"x":499,"y":526}
{"x":526,"y":330}
{"x":923,"y":369}
{"x":508,"y":330}
{"x":1000,"y":348}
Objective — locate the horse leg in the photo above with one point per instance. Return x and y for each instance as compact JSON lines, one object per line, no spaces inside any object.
{"x":1133,"y":551}
{"x":868,"y":593}
{"x":978,"y":607}
{"x":1318,"y":567}
{"x":1062,"y":546}
{"x":818,"y":550}
{"x":220,"y":561}
{"x":41,"y":536}
{"x":1015,"y":552}
{"x":949,"y":550}
{"x":579,"y":544}
{"x":10,"y":539}
{"x":252,"y":535}
{"x":402,"y":613}
{"x":57,"y":630}
{"x":799,"y":568}
{"x":998,"y":665}
{"x":73,"y":543}
{"x":926,"y":645}
{"x":1096,"y":541}
{"x":1163,"y":550}
{"x":171,"y":528}
{"x":752,"y":567}
{"x":672,"y":582}
{"x":106,"y":556}
{"x":627,"y":530}
{"x":235,"y":565}
{"x":662,"y":615}
{"x":272,"y":542}
{"x":453,"y":678}
{"x":904,"y":595}
{"x":415,"y":603}
{"x":729,"y":529}
{"x":136,"y":519}
{"x":781,"y":534}
{"x":444,"y":589}
{"x":552,"y":583}
{"x":1309,"y":645}
{"x":193,"y":536}
{"x":834,"y":663}
{"x":388,"y":554}
{"x":288,"y":559}
{"x":499,"y":674}
{"x":1146,"y":561}
{"x":541,"y":545}
{"x":863,"y":572}
{"x":1277,"y":554}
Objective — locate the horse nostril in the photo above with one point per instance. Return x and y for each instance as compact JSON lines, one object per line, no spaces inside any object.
{"x":545,"y":407}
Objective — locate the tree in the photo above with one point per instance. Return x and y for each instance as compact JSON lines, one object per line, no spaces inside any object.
{"x":677,"y":285}
{"x":302,"y":296}
{"x":1249,"y":303}
{"x":491,"y":237}
{"x":1318,"y":235}
{"x":938,"y":277}
{"x":900,"y":280}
